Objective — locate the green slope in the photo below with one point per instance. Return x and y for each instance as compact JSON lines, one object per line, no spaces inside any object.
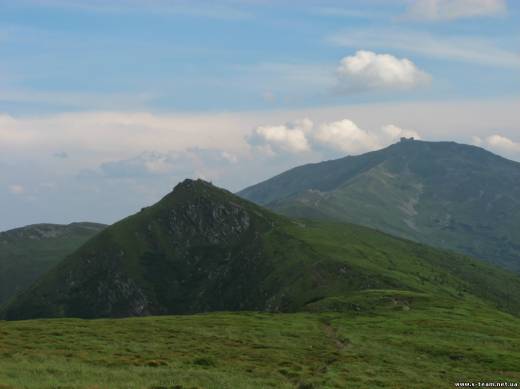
{"x":204,"y":249}
{"x":421,"y":347}
{"x":443,"y":194}
{"x":29,"y":252}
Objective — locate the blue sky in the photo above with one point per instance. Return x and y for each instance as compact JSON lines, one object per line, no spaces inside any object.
{"x":100,"y":102}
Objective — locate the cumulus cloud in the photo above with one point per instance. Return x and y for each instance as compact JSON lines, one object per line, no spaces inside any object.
{"x":499,"y":143}
{"x":503,"y":142}
{"x":291,"y":137}
{"x":54,"y":191}
{"x":344,"y":136}
{"x":347,"y":137}
{"x":367,"y":70}
{"x":438,"y":10}
{"x":393,"y":133}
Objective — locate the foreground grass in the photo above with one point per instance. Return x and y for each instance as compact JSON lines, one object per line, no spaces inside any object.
{"x":396,"y":345}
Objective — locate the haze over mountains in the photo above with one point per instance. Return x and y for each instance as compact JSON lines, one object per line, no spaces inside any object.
{"x":443,"y":194}
{"x":202,"y":249}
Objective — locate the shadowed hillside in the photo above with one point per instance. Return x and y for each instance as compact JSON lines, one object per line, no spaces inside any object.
{"x":29,"y":252}
{"x":203,"y":249}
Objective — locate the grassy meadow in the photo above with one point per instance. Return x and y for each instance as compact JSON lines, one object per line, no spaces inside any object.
{"x":362,"y":309}
{"x":376,"y":342}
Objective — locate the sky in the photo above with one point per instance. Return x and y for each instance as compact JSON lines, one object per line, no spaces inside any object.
{"x":106,"y":106}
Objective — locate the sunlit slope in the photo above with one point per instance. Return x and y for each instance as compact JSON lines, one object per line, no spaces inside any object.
{"x":204,"y":249}
{"x":405,"y":342}
{"x":443,"y":194}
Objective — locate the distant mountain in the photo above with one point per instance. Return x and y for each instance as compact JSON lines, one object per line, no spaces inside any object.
{"x":443,"y":194}
{"x":203,"y":249}
{"x":29,"y":252}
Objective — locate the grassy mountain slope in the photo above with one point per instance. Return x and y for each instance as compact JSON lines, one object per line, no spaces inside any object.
{"x":204,"y":249}
{"x":443,"y":194}
{"x":29,"y":252}
{"x":427,"y":345}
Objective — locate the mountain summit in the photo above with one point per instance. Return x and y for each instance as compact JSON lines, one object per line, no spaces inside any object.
{"x":443,"y":194}
{"x":199,"y":249}
{"x":203,"y":249}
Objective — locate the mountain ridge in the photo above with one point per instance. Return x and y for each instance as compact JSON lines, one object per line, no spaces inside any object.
{"x":444,"y":194}
{"x":202,"y":249}
{"x":54,"y":228}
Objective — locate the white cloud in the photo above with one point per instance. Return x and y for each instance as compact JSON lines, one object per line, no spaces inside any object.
{"x":291,"y":137}
{"x":459,"y":48}
{"x":346,"y":136}
{"x":499,"y":143}
{"x":16,"y":189}
{"x":393,"y":133}
{"x":343,"y":135}
{"x":503,"y":142}
{"x":91,"y":139}
{"x":477,"y":141}
{"x":367,"y":70}
{"x":437,"y":10}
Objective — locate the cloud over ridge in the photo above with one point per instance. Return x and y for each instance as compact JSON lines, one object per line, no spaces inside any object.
{"x":499,"y":143}
{"x":343,"y":136}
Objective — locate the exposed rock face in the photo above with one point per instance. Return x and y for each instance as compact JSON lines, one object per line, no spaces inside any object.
{"x":101,"y":287}
{"x":208,"y":221}
{"x":199,"y":249}
{"x":203,"y":249}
